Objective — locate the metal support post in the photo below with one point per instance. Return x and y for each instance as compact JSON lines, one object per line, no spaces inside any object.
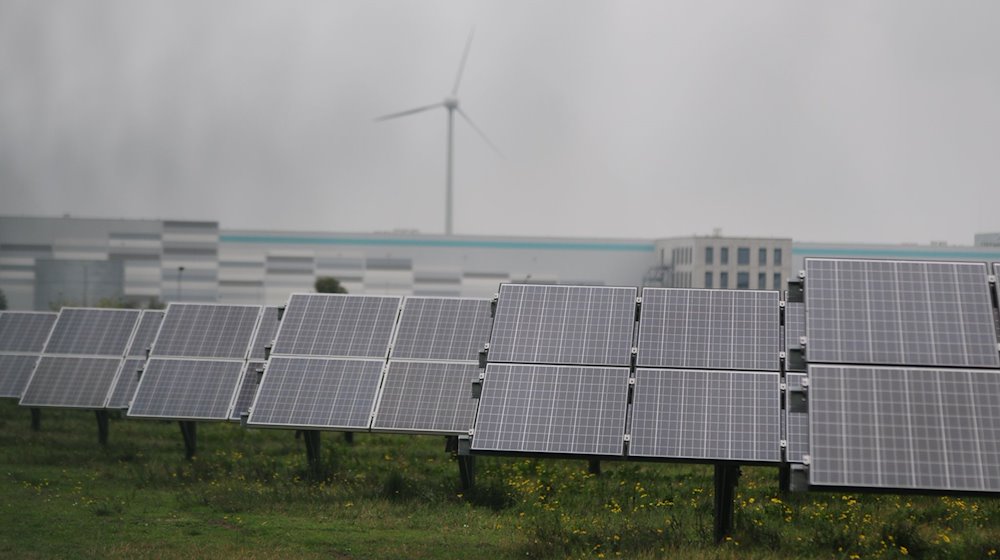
{"x":726,"y":477}
{"x":102,"y":426}
{"x":36,"y":419}
{"x":189,"y":430}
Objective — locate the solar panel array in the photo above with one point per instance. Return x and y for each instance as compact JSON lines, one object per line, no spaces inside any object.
{"x":552,"y":409}
{"x":580,"y":325}
{"x":81,"y":358}
{"x":707,"y":415}
{"x":197,"y":362}
{"x":267,"y":328}
{"x":899,"y":313}
{"x":438,"y":328}
{"x":710,"y":329}
{"x":247,"y":390}
{"x":327,"y":362}
{"x":124,"y":386}
{"x":905,"y":428}
{"x":22,"y":339}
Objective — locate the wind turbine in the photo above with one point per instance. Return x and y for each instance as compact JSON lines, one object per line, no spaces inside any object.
{"x":451,"y":104}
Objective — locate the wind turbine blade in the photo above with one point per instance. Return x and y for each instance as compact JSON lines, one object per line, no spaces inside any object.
{"x":409,"y":112}
{"x":481,"y":133}
{"x":461,"y":66}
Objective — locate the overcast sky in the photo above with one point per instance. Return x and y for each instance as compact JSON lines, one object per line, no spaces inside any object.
{"x":822,"y":121}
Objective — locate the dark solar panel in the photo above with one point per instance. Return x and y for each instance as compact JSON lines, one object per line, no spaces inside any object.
{"x":796,"y":425}
{"x":92,"y":332}
{"x":186,"y":389}
{"x":904,"y":428}
{"x":427,"y":397}
{"x":125,"y":384}
{"x":317,"y":393}
{"x":71,"y":382}
{"x":149,"y":324}
{"x":711,"y":329}
{"x":191,"y":330}
{"x":899,"y":313}
{"x":337,"y":325}
{"x":552,"y":409}
{"x":442,"y":328}
{"x":266,"y":329}
{"x":712,"y":415}
{"x":15,"y":370}
{"x":25,"y":331}
{"x":581,"y":325}
{"x":247,"y":390}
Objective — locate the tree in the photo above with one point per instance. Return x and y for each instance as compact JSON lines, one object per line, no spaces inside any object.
{"x":3,"y":301}
{"x":329,"y":285}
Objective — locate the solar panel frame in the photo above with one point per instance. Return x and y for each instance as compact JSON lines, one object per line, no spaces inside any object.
{"x":25,"y":332}
{"x":795,"y":324}
{"x":796,"y":425}
{"x":87,"y":331}
{"x":905,"y":313}
{"x":522,"y":402}
{"x":247,"y":390}
{"x":174,"y":388}
{"x":376,"y":345}
{"x":689,"y":328}
{"x":663,"y":426}
{"x":61,"y":381}
{"x":420,"y":335}
{"x":264,"y":333}
{"x":15,"y":372}
{"x":145,"y":333}
{"x":904,"y":428}
{"x":123,"y":389}
{"x":277,"y":403}
{"x":206,"y":330}
{"x":424,"y":397}
{"x":564,"y":325}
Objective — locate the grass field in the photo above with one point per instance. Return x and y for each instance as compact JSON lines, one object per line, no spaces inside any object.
{"x":247,"y":495}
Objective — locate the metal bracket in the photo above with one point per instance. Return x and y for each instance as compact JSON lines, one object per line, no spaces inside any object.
{"x":796,"y":288}
{"x":799,"y":478}
{"x":638,"y":307}
{"x":281,"y":312}
{"x":795,"y":359}
{"x":483,"y":355}
{"x":477,"y":386}
{"x":798,"y":397}
{"x":493,"y":304}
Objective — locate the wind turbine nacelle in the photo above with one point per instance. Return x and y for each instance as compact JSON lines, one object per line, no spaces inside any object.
{"x":451,"y":103}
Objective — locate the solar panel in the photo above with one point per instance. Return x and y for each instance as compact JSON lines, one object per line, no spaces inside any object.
{"x":192,"y":330}
{"x":186,"y":389}
{"x":298,"y":392}
{"x":899,"y":313}
{"x":92,"y":332}
{"x":142,"y":340}
{"x":904,"y":428}
{"x":437,"y":328}
{"x":711,"y":329}
{"x":552,"y":409}
{"x":337,"y":325}
{"x":247,"y":390}
{"x":708,"y":415}
{"x":266,"y":329}
{"x":71,"y":382}
{"x":24,"y":331}
{"x":427,"y":397}
{"x":15,"y":370}
{"x":125,"y":384}
{"x":796,"y":425}
{"x":582,"y":325}
{"x":795,"y":324}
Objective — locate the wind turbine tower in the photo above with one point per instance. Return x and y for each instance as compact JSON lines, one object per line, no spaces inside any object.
{"x":452,"y":105}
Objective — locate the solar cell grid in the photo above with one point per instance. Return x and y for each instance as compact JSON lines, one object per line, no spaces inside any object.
{"x":712,"y":329}
{"x":145,"y":334}
{"x":266,"y":329}
{"x":442,"y":328}
{"x":552,"y":409}
{"x":708,"y":415}
{"x":247,"y":390}
{"x":326,"y":393}
{"x":71,"y":382}
{"x":92,"y":332}
{"x":580,"y":325}
{"x":427,"y":397}
{"x":796,"y":425}
{"x":899,"y":313}
{"x":186,"y":389}
{"x":15,"y":370}
{"x":904,"y":428}
{"x":191,"y":330}
{"x":337,"y":325}
{"x":125,"y":384}
{"x":24,"y":331}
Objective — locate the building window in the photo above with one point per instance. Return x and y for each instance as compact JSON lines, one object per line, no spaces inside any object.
{"x":777,"y":256}
{"x":761,"y":281}
{"x":709,"y":255}
{"x":708,"y":278}
{"x":724,"y":255}
{"x":743,"y":280}
{"x":762,"y":257}
{"x":724,"y":279}
{"x":743,"y":256}
{"x":777,"y":279}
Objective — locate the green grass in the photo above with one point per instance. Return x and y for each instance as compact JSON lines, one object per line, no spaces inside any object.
{"x":248,"y":494}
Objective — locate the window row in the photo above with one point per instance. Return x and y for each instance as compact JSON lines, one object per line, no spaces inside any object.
{"x":743,"y":256}
{"x":743,"y":281}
